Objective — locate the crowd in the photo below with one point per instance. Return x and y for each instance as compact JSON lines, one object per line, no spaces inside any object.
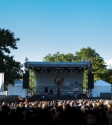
{"x":57,"y":112}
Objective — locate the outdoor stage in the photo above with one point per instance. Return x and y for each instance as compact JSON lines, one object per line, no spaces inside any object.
{"x":46,"y":78}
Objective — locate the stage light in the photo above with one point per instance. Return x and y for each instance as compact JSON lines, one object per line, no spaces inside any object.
{"x":78,"y":71}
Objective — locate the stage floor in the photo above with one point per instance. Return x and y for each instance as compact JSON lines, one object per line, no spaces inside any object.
{"x":14,"y":98}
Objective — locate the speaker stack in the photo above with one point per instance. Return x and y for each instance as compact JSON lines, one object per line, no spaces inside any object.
{"x":90,"y":81}
{"x":26,"y":80}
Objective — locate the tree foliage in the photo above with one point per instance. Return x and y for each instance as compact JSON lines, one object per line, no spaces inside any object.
{"x":58,"y":57}
{"x":11,"y":68}
{"x":98,"y":65}
{"x":108,"y":76}
{"x":32,"y":87}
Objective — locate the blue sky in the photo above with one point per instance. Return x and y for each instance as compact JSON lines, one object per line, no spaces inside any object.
{"x":49,"y":26}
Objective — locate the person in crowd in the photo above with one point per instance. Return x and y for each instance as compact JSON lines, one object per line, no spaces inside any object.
{"x":26,"y":101}
{"x":20,"y":98}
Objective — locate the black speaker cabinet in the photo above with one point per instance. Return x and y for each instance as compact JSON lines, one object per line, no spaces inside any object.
{"x":46,"y":90}
{"x":51,"y":92}
{"x":90,"y":81}
{"x":26,"y":80}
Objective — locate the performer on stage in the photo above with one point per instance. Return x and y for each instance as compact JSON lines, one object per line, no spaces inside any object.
{"x":58,"y":91}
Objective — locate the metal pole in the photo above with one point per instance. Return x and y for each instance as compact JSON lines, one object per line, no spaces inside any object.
{"x":27,"y":66}
{"x":89,"y":71}
{"x":28,"y":83}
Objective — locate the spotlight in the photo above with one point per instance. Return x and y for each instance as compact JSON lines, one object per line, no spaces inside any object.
{"x":78,"y":71}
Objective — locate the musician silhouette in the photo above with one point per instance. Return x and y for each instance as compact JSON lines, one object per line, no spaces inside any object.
{"x":58,"y":91}
{"x":59,"y":80}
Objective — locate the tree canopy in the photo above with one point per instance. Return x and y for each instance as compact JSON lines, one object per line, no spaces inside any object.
{"x":11,"y":68}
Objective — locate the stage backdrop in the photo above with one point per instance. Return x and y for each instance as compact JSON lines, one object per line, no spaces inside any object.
{"x":59,"y":78}
{"x":1,"y":81}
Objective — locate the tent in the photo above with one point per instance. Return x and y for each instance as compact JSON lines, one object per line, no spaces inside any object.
{"x":101,"y":86}
{"x":17,"y":89}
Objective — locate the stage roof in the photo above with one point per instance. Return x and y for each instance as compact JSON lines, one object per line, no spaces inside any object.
{"x":56,"y":64}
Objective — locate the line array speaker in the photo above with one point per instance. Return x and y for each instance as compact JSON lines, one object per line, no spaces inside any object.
{"x":90,"y":81}
{"x":26,"y":80}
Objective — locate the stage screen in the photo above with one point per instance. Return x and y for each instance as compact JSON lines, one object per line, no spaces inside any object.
{"x":58,"y":78}
{"x":69,"y":82}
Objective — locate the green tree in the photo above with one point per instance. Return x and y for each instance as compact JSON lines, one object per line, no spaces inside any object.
{"x":98,"y":65}
{"x":58,"y":57}
{"x":32,"y":87}
{"x":108,"y":76}
{"x":12,"y":69}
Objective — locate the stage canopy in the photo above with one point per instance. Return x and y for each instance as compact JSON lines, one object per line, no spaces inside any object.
{"x":47,"y":65}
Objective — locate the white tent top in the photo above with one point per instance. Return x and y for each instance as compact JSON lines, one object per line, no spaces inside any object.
{"x":18,"y":82}
{"x":101,"y":83}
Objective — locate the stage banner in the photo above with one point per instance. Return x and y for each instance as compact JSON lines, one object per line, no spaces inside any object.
{"x":1,"y":81}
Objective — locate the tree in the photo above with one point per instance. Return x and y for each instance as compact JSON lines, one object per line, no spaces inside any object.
{"x":85,"y":54}
{"x":11,"y":68}
{"x":57,"y":57}
{"x":32,"y":86}
{"x":98,"y":65}
{"x":108,"y":76}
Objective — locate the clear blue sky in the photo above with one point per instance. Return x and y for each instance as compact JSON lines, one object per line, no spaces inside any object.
{"x":49,"y":26}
